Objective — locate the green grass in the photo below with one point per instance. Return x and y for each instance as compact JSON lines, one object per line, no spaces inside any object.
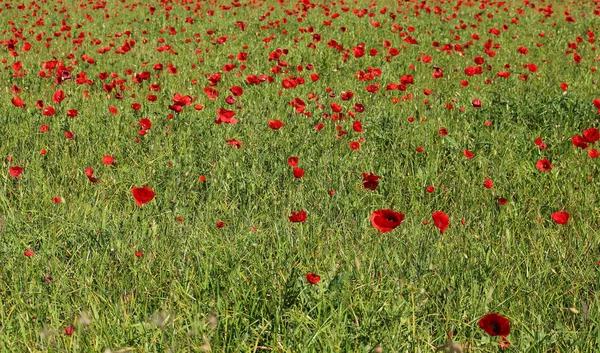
{"x":234,"y":289}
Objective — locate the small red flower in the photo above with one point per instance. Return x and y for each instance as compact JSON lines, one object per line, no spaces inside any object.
{"x":292,"y":161}
{"x":591,"y":135}
{"x":313,"y":278}
{"x":275,"y":124}
{"x":502,"y":201}
{"x":386,"y":220}
{"x":15,"y":171}
{"x":142,"y":195}
{"x":145,"y":124}
{"x":443,"y":131}
{"x":543,"y":165}
{"x":220,"y":224}
{"x":540,"y":143}
{"x":579,"y":141}
{"x":495,"y":325}
{"x":139,"y":254}
{"x":430,"y":189}
{"x":561,"y":217}
{"x":48,"y":111}
{"x":89,"y":172}
{"x":298,"y":172}
{"x":593,"y":153}
{"x":28,"y":253}
{"x":488,"y":183}
{"x":468,"y":154}
{"x":69,"y":135}
{"x":69,"y":330}
{"x":370,"y":181}
{"x":441,"y":221}
{"x":233,"y":142}
{"x":476,"y":103}
{"x":108,"y":160}
{"x":354,"y":145}
{"x":298,"y":217}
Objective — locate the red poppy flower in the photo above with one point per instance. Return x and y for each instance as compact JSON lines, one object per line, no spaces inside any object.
{"x":476,"y":103}
{"x":443,"y":131}
{"x":540,"y":143}
{"x":139,"y":254}
{"x":593,"y":153}
{"x":142,"y":195}
{"x":370,"y":181}
{"x":313,"y":278}
{"x":495,"y":325}
{"x":488,"y":183}
{"x":234,"y":143}
{"x":430,"y":189}
{"x":69,"y":330}
{"x":292,"y":161}
{"x":28,"y":253}
{"x":108,"y":160}
{"x":543,"y":165}
{"x":275,"y":124}
{"x":89,"y":172}
{"x":225,"y":116}
{"x":236,"y":91}
{"x":335,"y":107}
{"x":298,"y":217}
{"x":15,"y":171}
{"x":468,"y":154}
{"x":502,"y":201}
{"x":145,"y":124}
{"x":18,"y":102}
{"x":298,"y":172}
{"x":220,"y":224}
{"x":58,"y":96}
{"x":354,"y":145}
{"x":441,"y":221}
{"x":591,"y":135}
{"x":386,"y":220}
{"x":48,"y":111}
{"x":561,"y":217}
{"x":579,"y":141}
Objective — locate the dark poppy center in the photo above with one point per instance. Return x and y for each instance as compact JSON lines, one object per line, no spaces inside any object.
{"x":495,"y":327}
{"x":391,"y":218}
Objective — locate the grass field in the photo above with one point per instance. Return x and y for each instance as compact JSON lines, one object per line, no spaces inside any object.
{"x":480,"y":118}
